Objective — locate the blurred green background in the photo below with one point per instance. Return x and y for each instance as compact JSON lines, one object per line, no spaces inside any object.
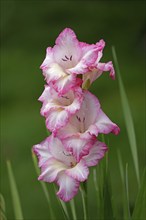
{"x":27,"y":28}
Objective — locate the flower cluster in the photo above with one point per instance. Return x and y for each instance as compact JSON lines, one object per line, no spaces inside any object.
{"x":72,"y":113}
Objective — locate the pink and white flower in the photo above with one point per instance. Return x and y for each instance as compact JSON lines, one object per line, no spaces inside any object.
{"x":79,"y":133}
{"x":73,"y":115}
{"x":58,"y":108}
{"x":60,"y":166}
{"x":67,"y":59}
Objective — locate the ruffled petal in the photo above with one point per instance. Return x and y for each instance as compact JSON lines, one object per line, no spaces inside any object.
{"x":58,"y":108}
{"x":56,"y":119}
{"x":90,"y":55}
{"x":104,"y":67}
{"x":67,"y":51}
{"x":90,"y":108}
{"x":42,"y":151}
{"x":65,"y":83}
{"x":66,"y":131}
{"x":77,"y":101}
{"x":48,"y":60}
{"x":79,"y":172}
{"x":53,"y":73}
{"x":82,"y":119}
{"x":104,"y":125}
{"x":78,"y":145}
{"x":96,"y":153}
{"x":50,"y":169}
{"x":68,"y":187}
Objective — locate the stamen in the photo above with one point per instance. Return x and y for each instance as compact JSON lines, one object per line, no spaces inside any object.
{"x":68,"y":155}
{"x":78,"y":118}
{"x":65,"y":97}
{"x":66,"y":57}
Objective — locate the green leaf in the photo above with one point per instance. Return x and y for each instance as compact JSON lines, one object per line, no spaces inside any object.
{"x":139,"y":209}
{"x":2,"y":208}
{"x":128,"y":117}
{"x":14,"y":193}
{"x":107,"y":192}
{"x":108,"y":207}
{"x":44,"y":188}
{"x":125,"y":192}
{"x":99,"y":191}
{"x":101,"y":178}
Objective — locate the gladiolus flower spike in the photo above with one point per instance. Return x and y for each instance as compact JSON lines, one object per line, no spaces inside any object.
{"x":72,"y":113}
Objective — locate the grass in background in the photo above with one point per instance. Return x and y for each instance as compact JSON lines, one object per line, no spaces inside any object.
{"x":128,"y":118}
{"x":2,"y":208}
{"x":14,"y":192}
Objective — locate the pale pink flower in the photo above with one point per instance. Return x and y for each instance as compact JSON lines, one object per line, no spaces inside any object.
{"x":67,"y":59}
{"x":60,"y":166}
{"x":58,"y":108}
{"x":78,"y":134}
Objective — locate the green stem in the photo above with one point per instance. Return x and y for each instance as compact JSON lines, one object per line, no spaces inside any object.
{"x":83,"y":190}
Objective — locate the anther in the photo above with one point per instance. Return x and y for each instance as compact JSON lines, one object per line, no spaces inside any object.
{"x":65,"y":97}
{"x":78,"y":118}
{"x":68,"y":155}
{"x":66,"y":57}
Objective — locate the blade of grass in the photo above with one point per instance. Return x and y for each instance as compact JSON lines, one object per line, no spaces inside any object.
{"x":44,"y":187}
{"x":99,"y":179}
{"x":83,"y":190}
{"x":128,"y":117}
{"x":99,"y":193}
{"x":63,"y":206}
{"x":127,"y":191}
{"x":98,"y":182}
{"x":2,"y":208}
{"x":124,"y":179}
{"x":73,"y":209}
{"x":14,"y":193}
{"x":108,"y":206}
{"x":107,"y":192}
{"x":139,"y":209}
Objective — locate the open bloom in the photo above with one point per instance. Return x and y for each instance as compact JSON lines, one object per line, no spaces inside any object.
{"x":60,"y":166}
{"x":58,"y":108}
{"x":84,"y":125}
{"x":69,"y":58}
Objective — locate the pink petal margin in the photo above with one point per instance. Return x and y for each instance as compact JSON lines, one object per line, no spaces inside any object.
{"x":68,"y":187}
